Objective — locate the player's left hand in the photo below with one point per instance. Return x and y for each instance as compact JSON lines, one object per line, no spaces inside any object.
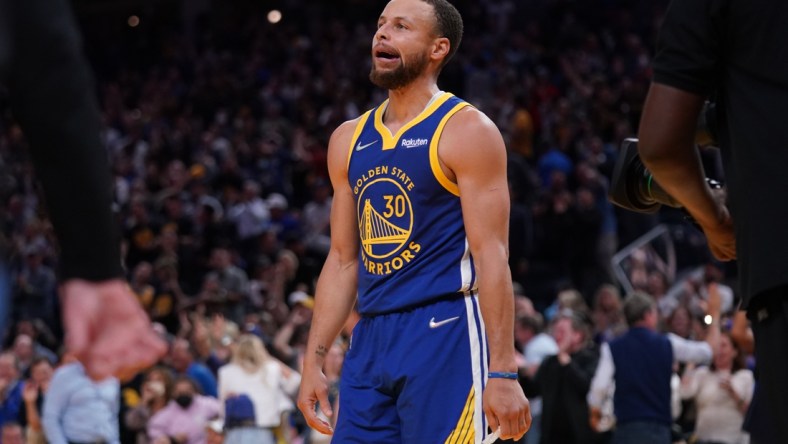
{"x":506,"y":407}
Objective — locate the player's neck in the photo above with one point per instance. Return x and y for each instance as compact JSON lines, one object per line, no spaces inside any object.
{"x":408,"y":102}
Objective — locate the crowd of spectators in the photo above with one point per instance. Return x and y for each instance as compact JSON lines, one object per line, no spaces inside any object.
{"x":216,"y":130}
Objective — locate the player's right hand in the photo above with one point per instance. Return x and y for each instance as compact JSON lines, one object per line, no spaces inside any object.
{"x":507,"y":408}
{"x":314,"y":389}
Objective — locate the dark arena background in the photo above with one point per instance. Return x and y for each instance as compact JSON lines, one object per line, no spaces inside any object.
{"x":216,"y":120}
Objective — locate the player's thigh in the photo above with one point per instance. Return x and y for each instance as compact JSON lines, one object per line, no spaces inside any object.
{"x":441,"y":398}
{"x":367,"y":410}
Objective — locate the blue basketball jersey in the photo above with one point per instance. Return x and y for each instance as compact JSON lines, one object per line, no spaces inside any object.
{"x":413,"y":246}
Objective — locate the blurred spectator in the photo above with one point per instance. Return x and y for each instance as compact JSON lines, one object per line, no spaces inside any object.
{"x":290,"y":340}
{"x":586,"y":270}
{"x":640,"y":364}
{"x":608,"y":316}
{"x":211,"y":339}
{"x":36,"y":286}
{"x":240,"y":423}
{"x":23,"y":351}
{"x":554,"y":161}
{"x":140,"y":236}
{"x":185,"y":417}
{"x":182,"y":359}
{"x":169,"y":296}
{"x":521,"y":235}
{"x":214,"y":432}
{"x":43,"y":338}
{"x":12,"y":433}
{"x":78,"y":409}
{"x":332,"y":368}
{"x":33,"y":394}
{"x":250,"y":216}
{"x":523,"y":305}
{"x":141,"y":284}
{"x":691,"y":291}
{"x":268,"y":383}
{"x":722,"y":393}
{"x":569,"y":299}
{"x":283,"y":223}
{"x":233,"y":284}
{"x":10,"y":388}
{"x":156,"y":394}
{"x":317,"y":217}
{"x":534,"y":346}
{"x":563,"y":380}
{"x":680,"y":322}
{"x":533,"y":342}
{"x":175,"y":218}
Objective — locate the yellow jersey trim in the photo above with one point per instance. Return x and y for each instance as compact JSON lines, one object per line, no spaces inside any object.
{"x":356,"y":134}
{"x":389,"y":140}
{"x":465,"y":431}
{"x":435,"y":164}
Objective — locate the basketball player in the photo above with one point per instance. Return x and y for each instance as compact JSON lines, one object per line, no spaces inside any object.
{"x":419,"y":229}
{"x":51,"y":93}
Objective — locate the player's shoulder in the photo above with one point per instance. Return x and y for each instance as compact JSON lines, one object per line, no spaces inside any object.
{"x":341,"y":140}
{"x":343,"y":134}
{"x":470,"y":120}
{"x":469,"y":128}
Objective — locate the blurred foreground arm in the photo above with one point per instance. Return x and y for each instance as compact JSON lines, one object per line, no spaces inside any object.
{"x":52,"y":96}
{"x":667,"y":147}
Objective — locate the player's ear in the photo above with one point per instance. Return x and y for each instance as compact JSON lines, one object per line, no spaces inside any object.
{"x":440,"y":48}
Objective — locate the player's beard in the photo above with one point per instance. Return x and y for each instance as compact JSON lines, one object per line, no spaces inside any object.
{"x":402,"y":75}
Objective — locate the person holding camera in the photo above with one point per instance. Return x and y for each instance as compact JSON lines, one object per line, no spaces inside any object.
{"x":734,"y":52}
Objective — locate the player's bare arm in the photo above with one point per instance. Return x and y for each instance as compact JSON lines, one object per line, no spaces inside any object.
{"x":473,"y":154}
{"x":667,"y":147}
{"x":336,"y":286}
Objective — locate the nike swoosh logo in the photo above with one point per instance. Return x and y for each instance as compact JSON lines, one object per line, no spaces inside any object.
{"x":360,"y":147}
{"x":434,"y":324}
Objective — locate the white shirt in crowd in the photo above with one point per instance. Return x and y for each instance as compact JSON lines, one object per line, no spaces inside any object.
{"x":269,"y":388}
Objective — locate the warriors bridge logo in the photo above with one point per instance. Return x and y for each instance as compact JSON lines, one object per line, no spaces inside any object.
{"x":385,"y":219}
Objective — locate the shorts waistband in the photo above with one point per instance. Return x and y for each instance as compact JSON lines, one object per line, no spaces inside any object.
{"x":410,"y":308}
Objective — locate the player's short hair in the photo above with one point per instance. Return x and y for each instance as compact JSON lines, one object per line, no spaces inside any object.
{"x":448,"y":23}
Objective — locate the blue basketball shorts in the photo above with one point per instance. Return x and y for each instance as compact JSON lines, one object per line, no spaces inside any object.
{"x":415,"y":377}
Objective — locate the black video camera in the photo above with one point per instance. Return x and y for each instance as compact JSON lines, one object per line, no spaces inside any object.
{"x":634,"y":188}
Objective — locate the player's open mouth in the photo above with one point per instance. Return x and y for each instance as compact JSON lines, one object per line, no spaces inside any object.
{"x":386,"y":55}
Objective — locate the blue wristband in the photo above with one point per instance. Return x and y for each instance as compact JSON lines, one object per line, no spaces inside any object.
{"x":502,"y":375}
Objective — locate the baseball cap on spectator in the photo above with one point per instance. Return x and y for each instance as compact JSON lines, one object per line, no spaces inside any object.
{"x":238,"y":411}
{"x":254,"y":329}
{"x":277,"y":202}
{"x":300,"y":297}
